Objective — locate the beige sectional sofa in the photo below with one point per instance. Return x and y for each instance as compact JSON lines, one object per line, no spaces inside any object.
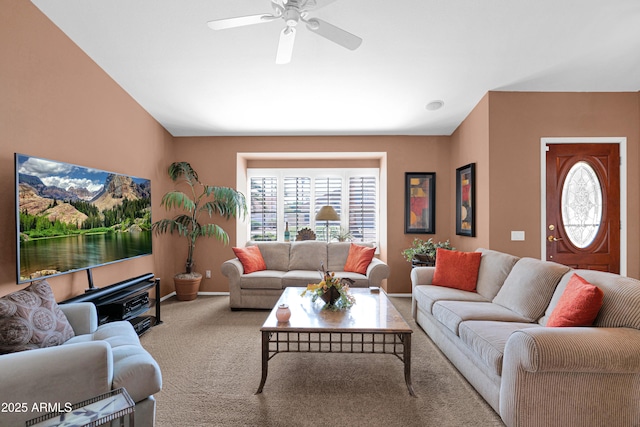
{"x":530,"y":374}
{"x":293,"y":264}
{"x":96,"y":360}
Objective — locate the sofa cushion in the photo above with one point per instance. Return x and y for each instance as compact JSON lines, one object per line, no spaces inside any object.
{"x":267,"y":279}
{"x":133,"y":367}
{"x":620,"y":303}
{"x":30,"y":318}
{"x":251,"y":259}
{"x":455,"y":269}
{"x":359,"y":258}
{"x":579,"y":304}
{"x":452,"y":313}
{"x":308,"y":255}
{"x":494,"y":268}
{"x":337,"y":253}
{"x":487,"y":339}
{"x":300,"y":278}
{"x":529,"y":287}
{"x":275,"y":254}
{"x":427,"y":295}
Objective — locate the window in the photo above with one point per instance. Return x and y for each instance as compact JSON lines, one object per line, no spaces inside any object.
{"x":293,"y":197}
{"x":297,"y":202}
{"x":263,"y":206}
{"x":328,"y":192}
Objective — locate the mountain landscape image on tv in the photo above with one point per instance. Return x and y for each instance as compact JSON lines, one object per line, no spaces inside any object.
{"x":72,"y":218}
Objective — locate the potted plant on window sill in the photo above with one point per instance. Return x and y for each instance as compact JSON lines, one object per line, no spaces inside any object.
{"x":201,"y":201}
{"x":423,"y":252}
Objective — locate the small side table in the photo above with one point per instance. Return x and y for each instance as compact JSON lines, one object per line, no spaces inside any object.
{"x":94,"y":412}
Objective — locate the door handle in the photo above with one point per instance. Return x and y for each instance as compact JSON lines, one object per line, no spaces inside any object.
{"x":553,"y":238}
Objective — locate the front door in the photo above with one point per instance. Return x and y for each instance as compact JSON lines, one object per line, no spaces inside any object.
{"x":583,"y":206}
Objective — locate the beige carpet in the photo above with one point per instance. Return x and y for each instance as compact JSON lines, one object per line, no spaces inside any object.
{"x":210,"y":361}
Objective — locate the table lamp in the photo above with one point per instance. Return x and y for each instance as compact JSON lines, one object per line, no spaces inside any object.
{"x":327,"y":213}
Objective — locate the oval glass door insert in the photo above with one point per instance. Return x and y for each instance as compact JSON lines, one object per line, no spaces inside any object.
{"x":581,"y":204}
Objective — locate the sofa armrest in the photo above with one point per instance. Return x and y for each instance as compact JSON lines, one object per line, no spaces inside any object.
{"x":606,"y":350}
{"x":82,"y":316}
{"x":421,"y":276}
{"x":233,"y":270}
{"x":377,"y":271}
{"x":67,"y":373}
{"x":580,"y":376}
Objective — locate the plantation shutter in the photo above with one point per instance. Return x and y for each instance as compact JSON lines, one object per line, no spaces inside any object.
{"x":328,"y":191}
{"x":264,"y":208}
{"x":297,"y":203}
{"x":362,"y":208}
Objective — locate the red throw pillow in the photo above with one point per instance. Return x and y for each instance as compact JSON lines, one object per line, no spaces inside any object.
{"x":455,"y":269}
{"x":359,"y":258}
{"x":578,"y":305}
{"x":251,"y":259}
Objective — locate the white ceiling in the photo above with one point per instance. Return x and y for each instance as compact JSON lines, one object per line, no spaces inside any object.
{"x":196,"y":81}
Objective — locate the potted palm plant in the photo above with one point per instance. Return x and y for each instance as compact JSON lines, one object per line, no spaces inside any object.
{"x":200,"y":202}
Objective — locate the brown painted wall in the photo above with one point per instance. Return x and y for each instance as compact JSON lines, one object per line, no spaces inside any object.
{"x":215,"y":160}
{"x":470,"y":144}
{"x":57,"y":103}
{"x":517,"y":122}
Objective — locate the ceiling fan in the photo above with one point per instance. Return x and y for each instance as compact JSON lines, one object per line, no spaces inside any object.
{"x":293,"y":12}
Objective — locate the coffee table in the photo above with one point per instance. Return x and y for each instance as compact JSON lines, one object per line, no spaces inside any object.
{"x":372,"y":325}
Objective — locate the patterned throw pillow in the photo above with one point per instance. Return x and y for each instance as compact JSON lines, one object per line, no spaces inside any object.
{"x":30,"y":318}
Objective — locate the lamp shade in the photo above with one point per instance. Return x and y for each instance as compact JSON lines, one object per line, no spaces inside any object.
{"x":327,"y":213}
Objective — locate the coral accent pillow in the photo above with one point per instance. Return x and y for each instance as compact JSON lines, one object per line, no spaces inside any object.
{"x":251,"y":259}
{"x":578,"y":305}
{"x":359,"y":258}
{"x":455,"y":269}
{"x":30,"y":318}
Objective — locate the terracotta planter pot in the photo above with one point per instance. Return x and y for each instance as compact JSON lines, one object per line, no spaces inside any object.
{"x":187,"y":288}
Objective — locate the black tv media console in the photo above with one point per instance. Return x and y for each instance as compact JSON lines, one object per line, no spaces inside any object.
{"x":126,"y":300}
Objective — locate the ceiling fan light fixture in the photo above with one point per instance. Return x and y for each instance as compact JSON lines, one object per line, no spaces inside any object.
{"x":435,"y":105}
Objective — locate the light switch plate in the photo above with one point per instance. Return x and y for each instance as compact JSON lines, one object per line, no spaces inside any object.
{"x":517,"y":235}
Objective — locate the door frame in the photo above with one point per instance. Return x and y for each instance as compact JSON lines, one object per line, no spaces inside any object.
{"x":622,"y":142}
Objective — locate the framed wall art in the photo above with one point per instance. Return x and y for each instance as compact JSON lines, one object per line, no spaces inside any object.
{"x":465,"y":200}
{"x":420,"y":202}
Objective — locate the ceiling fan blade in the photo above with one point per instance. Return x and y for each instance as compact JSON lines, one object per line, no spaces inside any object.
{"x":285,"y":46}
{"x":240,"y":21}
{"x":333,"y":33}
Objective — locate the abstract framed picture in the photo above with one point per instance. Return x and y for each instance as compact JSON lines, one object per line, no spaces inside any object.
{"x":420,"y":202}
{"x":465,"y":200}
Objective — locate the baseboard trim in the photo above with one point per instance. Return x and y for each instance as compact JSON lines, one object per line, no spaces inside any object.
{"x":399,"y":295}
{"x":214,"y":293}
{"x":166,"y":297}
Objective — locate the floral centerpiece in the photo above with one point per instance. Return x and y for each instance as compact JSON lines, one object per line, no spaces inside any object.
{"x":334,"y":291}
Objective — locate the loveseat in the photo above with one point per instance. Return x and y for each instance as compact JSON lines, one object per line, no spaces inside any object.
{"x":529,"y":373}
{"x":294,"y":264}
{"x":96,"y":360}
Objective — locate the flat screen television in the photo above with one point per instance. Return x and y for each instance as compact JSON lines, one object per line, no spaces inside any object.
{"x":71,"y":218}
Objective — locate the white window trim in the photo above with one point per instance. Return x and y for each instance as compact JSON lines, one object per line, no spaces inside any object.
{"x":313,"y":173}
